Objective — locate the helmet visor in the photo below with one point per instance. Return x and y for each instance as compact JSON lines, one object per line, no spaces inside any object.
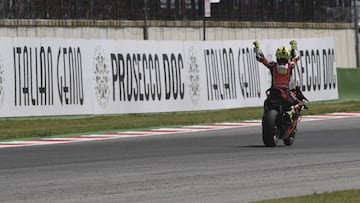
{"x":282,"y":61}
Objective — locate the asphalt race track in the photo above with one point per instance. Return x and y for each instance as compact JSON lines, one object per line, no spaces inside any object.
{"x":213,"y":166}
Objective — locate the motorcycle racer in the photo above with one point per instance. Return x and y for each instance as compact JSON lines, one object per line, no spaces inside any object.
{"x":283,"y":105}
{"x":281,"y":69}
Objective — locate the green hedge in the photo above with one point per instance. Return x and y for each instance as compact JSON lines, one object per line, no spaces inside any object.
{"x":349,"y":84}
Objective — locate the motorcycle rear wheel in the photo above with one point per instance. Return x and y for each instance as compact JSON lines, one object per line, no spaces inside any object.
{"x":270,"y":130}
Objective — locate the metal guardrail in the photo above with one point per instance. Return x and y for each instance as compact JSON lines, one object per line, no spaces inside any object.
{"x":232,"y":10}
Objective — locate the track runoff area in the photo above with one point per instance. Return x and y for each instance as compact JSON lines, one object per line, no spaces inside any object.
{"x":158,"y":131}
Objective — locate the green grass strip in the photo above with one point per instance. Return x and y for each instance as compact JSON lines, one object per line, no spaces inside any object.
{"x":347,"y":196}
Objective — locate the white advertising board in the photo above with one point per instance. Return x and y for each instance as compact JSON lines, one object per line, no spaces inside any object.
{"x":56,"y":76}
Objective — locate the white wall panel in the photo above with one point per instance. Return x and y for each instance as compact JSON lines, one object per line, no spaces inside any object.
{"x":68,"y":76}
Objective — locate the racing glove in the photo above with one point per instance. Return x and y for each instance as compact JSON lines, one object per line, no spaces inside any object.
{"x":294,"y":53}
{"x":256,"y":44}
{"x":259,"y":54}
{"x":293,"y":44}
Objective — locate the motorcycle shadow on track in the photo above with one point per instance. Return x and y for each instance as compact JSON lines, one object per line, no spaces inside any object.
{"x":256,"y":146}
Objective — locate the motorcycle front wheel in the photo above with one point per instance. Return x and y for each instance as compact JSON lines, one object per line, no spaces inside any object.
{"x":270,"y":130}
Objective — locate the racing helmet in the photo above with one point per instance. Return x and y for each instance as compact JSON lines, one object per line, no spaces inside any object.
{"x":282,"y":55}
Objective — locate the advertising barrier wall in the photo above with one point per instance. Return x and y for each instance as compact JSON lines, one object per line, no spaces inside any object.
{"x":56,"y":76}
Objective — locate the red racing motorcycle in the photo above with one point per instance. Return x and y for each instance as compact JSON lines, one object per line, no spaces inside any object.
{"x":280,"y":118}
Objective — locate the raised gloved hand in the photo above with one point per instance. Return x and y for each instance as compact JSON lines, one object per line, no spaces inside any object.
{"x":259,"y":55}
{"x":294,"y":52}
{"x":293,"y":44}
{"x":256,"y":44}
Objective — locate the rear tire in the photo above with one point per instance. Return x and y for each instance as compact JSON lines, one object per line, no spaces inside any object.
{"x":270,"y":131}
